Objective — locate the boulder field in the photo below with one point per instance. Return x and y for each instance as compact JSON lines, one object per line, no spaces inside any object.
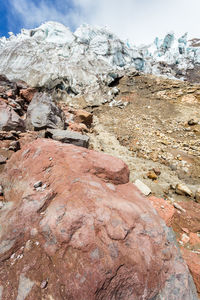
{"x":74,"y":227}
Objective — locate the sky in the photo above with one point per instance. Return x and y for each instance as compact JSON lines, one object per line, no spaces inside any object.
{"x":139,"y":21}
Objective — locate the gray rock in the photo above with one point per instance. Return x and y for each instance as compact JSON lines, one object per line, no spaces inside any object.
{"x":25,"y":286}
{"x":9,"y":119}
{"x":43,"y":113}
{"x":69,"y":137}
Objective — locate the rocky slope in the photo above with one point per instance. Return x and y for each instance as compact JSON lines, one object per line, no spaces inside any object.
{"x":64,"y":207}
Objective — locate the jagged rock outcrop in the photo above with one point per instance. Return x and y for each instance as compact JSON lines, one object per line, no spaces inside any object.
{"x":73,"y":227}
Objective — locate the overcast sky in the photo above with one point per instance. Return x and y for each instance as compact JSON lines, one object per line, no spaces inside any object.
{"x":138,"y":20}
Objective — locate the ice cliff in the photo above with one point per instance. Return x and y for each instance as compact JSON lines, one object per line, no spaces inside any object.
{"x":52,"y":55}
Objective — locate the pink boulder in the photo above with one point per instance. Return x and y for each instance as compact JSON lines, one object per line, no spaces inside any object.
{"x":73,"y":227}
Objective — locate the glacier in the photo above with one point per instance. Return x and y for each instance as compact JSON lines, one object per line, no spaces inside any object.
{"x":81,"y":61}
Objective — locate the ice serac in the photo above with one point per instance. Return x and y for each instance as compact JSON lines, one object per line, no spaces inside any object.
{"x":85,"y":232}
{"x":52,"y":56}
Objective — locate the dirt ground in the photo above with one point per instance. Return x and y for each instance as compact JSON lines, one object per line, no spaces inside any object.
{"x":159,"y":129}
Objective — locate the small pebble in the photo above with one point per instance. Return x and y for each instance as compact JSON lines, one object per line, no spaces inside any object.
{"x":182,"y":189}
{"x":197,"y":195}
{"x":44,"y":284}
{"x":15,"y":146}
{"x":193,"y":122}
{"x":37,"y":184}
{"x":157,"y":171}
{"x":152,"y":175}
{"x":2,"y":159}
{"x":1,"y":190}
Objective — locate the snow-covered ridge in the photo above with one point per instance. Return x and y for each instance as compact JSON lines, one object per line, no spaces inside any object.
{"x":50,"y":52}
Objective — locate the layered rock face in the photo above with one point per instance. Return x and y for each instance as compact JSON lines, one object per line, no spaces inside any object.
{"x":75,"y":228}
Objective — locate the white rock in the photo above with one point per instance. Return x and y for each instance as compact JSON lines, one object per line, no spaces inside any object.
{"x":182,"y":189}
{"x":143,"y":187}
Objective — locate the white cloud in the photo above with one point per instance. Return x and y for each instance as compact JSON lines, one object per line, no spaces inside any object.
{"x":138,"y":20}
{"x":142,"y":20}
{"x":29,"y":14}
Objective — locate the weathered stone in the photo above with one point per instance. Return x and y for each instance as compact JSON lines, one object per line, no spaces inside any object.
{"x":11,"y":135}
{"x":197,"y":195}
{"x":82,"y":116}
{"x":90,"y":234}
{"x":142,"y":187}
{"x":15,"y":146}
{"x":157,"y":171}
{"x":44,"y":284}
{"x":1,"y":190}
{"x":9,"y":93}
{"x":78,"y":127}
{"x":193,"y":121}
{"x":37,"y":184}
{"x":179,"y":207}
{"x":9,"y":119}
{"x":43,"y":113}
{"x":152,"y":175}
{"x":182,"y":189}
{"x":3,"y":159}
{"x":69,"y":137}
{"x":27,"y":94}
{"x":185,"y":238}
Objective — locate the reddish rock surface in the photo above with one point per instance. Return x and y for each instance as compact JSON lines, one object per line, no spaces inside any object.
{"x":85,"y":233}
{"x":190,"y":219}
{"x":80,"y":127}
{"x":165,"y":210}
{"x":28,"y":94}
{"x":194,"y":240}
{"x":193,"y":262}
{"x":82,"y":116}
